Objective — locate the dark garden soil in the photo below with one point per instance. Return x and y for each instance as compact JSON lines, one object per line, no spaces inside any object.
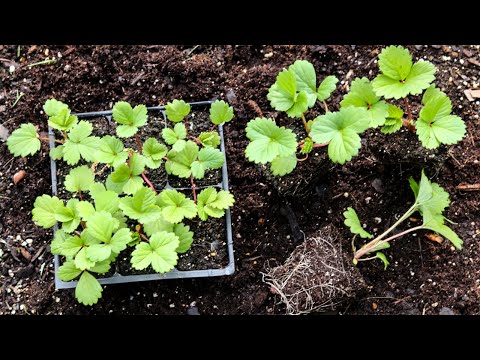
{"x":424,"y":277}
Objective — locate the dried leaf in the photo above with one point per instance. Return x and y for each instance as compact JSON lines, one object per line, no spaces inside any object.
{"x":19,"y":176}
{"x":25,"y":253}
{"x":434,"y":237}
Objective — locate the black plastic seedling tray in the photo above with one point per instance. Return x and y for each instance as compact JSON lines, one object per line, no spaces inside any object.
{"x":117,"y":278}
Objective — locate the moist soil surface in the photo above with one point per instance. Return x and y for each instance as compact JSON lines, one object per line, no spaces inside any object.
{"x":425,"y":277}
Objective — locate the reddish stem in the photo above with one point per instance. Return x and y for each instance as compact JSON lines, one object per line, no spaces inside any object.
{"x":408,"y":110}
{"x":193,"y":189}
{"x":148,"y":182}
{"x":139,"y":143}
{"x":80,"y":195}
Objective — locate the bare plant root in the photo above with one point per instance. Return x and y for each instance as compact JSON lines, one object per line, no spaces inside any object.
{"x":317,"y":276}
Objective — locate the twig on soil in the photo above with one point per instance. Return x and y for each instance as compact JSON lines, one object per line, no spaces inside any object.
{"x":38,"y":253}
{"x":19,"y":96}
{"x":43,"y":62}
{"x":193,"y":189}
{"x":255,"y":107}
{"x":468,"y":187}
{"x":192,"y":50}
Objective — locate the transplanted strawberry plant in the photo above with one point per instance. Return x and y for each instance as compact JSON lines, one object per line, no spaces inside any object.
{"x":103,"y":218}
{"x":364,"y":107}
{"x":430,"y":201}
{"x":400,"y":78}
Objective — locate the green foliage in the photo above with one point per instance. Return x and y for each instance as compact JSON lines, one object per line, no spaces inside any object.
{"x":175,"y":137}
{"x":52,"y":107}
{"x":80,"y":144}
{"x":269,"y":141}
{"x":211,"y":139}
{"x":220,"y":112}
{"x":126,"y":177}
{"x":47,"y":210}
{"x":88,"y":289}
{"x":306,"y":79}
{"x":281,"y":166}
{"x":340,"y":129}
{"x":394,"y":121}
{"x":24,"y":141}
{"x":130,"y":119}
{"x":436,"y":125}
{"x":177,"y":110}
{"x":431,"y":200}
{"x":208,"y":158}
{"x":352,"y":221}
{"x":362,"y":95}
{"x":110,"y":151}
{"x":79,"y":179}
{"x":183,"y":232}
{"x":179,"y":163}
{"x":326,"y":87}
{"x":307,"y":145}
{"x":63,"y":120}
{"x":175,"y":206}
{"x":159,"y":252}
{"x":213,"y":203}
{"x":141,"y":206}
{"x":400,"y":77}
{"x":153,"y":153}
{"x":283,"y":95}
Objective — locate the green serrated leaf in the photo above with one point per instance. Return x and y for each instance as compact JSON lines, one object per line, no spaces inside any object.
{"x":175,"y":206}
{"x":137,"y":164}
{"x":80,"y":144}
{"x":179,"y":163}
{"x":153,"y":153}
{"x":211,"y":139}
{"x":326,"y":87}
{"x":177,"y":110}
{"x":56,"y":153}
{"x":47,"y":210}
{"x":431,"y":93}
{"x":281,"y":166}
{"x":306,"y":79}
{"x":178,"y":133}
{"x":269,"y":141}
{"x":185,"y":237}
{"x":52,"y":107}
{"x":101,"y":226}
{"x":82,"y":261}
{"x":129,"y":118}
{"x":141,"y":206}
{"x":159,"y":225}
{"x":79,"y":179}
{"x":220,"y":112}
{"x":24,"y":140}
{"x":71,"y":246}
{"x":57,"y":242}
{"x":362,"y":95}
{"x":436,"y":126}
{"x":101,"y":267}
{"x":71,"y":225}
{"x":208,"y":158}
{"x":123,"y":180}
{"x":85,"y":210}
{"x":283,"y":95}
{"x":445,"y":231}
{"x":105,"y":200}
{"x":393,"y":122}
{"x":63,"y":120}
{"x":382,"y":257}
{"x":110,"y":151}
{"x":399,"y":77}
{"x":88,"y":289}
{"x":213,"y":203}
{"x":99,"y":252}
{"x":340,"y":129}
{"x":307,"y":144}
{"x":352,"y":221}
{"x":160,"y":253}
{"x":68,"y":271}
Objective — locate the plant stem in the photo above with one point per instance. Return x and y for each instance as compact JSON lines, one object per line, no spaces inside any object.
{"x":193,"y":189}
{"x":186,"y":124}
{"x":19,"y":96}
{"x":43,"y":62}
{"x":64,"y":133}
{"x":374,"y":243}
{"x":139,"y":143}
{"x":80,"y":195}
{"x":100,"y":172}
{"x":307,"y":128}
{"x":325,"y":105}
{"x":55,"y":140}
{"x":408,"y":109}
{"x":148,"y":182}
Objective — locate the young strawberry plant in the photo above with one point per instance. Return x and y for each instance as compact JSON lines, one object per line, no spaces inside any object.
{"x":102,"y":218}
{"x":399,"y":78}
{"x":294,"y":92}
{"x":430,"y":201}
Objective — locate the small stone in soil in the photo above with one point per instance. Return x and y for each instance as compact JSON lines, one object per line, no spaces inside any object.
{"x":193,"y":311}
{"x":446,"y":311}
{"x":378,"y":186}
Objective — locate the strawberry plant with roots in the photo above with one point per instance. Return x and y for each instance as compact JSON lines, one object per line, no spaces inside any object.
{"x":295,"y":91}
{"x":430,"y":201}
{"x":101,"y":219}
